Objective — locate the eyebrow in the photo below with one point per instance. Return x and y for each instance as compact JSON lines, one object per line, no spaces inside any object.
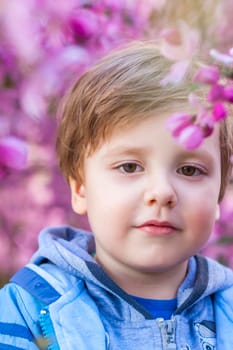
{"x":122,"y":150}
{"x":137,"y":151}
{"x":198,"y":153}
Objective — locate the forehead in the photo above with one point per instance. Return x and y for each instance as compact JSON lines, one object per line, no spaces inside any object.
{"x":150,"y":132}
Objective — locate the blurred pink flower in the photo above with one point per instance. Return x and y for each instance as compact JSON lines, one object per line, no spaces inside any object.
{"x":176,"y":73}
{"x":226,"y":59}
{"x":32,"y":99}
{"x":171,"y":35}
{"x":184,"y":46}
{"x":177,"y":122}
{"x":13,"y":153}
{"x":216,"y":93}
{"x":228,"y":93}
{"x":20,"y":30}
{"x":179,"y":44}
{"x":114,"y":5}
{"x":205,"y":121}
{"x":191,"y":137}
{"x":84,"y":23}
{"x":207,"y":75}
{"x":218,"y":111}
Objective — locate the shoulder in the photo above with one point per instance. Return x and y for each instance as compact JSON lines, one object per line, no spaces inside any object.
{"x":45,"y":278}
{"x":223,"y":310}
{"x":44,"y":284}
{"x":18,"y":318}
{"x":30,"y":289}
{"x":220,"y":275}
{"x":221,"y":281}
{"x":223,"y":296}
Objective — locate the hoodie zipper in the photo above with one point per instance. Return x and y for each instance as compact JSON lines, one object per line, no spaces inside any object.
{"x":167,"y":329}
{"x":49,"y":342}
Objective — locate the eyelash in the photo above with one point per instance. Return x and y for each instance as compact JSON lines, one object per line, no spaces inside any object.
{"x":196,"y":171}
{"x":136,"y":168}
{"x":191,"y":167}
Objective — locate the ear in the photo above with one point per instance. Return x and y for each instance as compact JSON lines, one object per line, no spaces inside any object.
{"x":217,"y":215}
{"x":78,"y":197}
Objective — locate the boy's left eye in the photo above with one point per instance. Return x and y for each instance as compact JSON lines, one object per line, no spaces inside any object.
{"x":190,"y":170}
{"x":130,"y":168}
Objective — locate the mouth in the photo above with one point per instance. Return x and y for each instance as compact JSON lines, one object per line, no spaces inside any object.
{"x":158,"y":228}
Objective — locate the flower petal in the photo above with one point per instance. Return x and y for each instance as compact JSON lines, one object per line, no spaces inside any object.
{"x":13,"y":153}
{"x":221,"y":57}
{"x":207,"y":75}
{"x":219,"y":111}
{"x":228,"y":93}
{"x":216,"y":93}
{"x":176,"y":73}
{"x":191,"y":137}
{"x":177,"y":122}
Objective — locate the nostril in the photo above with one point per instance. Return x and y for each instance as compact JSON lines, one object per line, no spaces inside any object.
{"x":171,"y":203}
{"x":162,"y":199}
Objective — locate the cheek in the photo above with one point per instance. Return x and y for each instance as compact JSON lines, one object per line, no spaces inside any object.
{"x":103,"y":204}
{"x":203,"y":219}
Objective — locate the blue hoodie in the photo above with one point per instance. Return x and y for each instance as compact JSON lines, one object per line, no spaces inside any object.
{"x":64,"y":300}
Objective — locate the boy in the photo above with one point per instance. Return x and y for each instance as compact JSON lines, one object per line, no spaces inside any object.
{"x":136,"y":282}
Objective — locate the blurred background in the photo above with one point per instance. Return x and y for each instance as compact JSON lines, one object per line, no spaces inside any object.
{"x":44,"y":44}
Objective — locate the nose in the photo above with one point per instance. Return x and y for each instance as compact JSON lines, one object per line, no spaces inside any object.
{"x":160,"y":192}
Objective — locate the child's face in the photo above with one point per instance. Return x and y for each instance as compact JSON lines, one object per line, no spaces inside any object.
{"x":151,"y":204}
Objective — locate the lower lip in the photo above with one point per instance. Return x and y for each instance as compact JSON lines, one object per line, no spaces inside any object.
{"x":152,"y":230}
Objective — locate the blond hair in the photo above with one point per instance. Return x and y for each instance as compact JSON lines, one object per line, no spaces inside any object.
{"x":121,"y":89}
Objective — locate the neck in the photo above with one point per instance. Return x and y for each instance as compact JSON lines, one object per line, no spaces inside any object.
{"x":148,"y":284}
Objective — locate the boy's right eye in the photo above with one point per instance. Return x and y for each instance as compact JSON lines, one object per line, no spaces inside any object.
{"x":130,"y":168}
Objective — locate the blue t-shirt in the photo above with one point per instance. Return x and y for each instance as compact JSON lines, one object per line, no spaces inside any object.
{"x":158,"y":308}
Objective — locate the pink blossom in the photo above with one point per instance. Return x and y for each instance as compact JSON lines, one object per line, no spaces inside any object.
{"x":219,"y":111}
{"x":20,"y":30}
{"x":207,"y":129}
{"x":171,"y":35}
{"x":228,"y":93}
{"x":84,"y":23}
{"x":56,"y":10}
{"x":191,"y":137}
{"x":216,"y":93}
{"x":184,"y":47}
{"x":207,"y":75}
{"x":13,"y":153}
{"x":71,"y":58}
{"x":177,"y":122}
{"x":222,"y":58}
{"x":32,"y":100}
{"x":176,"y":73}
{"x":114,"y":5}
{"x":178,"y":45}
{"x":205,"y":121}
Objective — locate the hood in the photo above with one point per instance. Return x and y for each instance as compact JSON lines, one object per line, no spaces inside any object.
{"x":72,"y":251}
{"x":66,"y":247}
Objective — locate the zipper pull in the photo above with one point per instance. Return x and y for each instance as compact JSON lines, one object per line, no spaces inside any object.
{"x":48,"y":342}
{"x":167,"y":329}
